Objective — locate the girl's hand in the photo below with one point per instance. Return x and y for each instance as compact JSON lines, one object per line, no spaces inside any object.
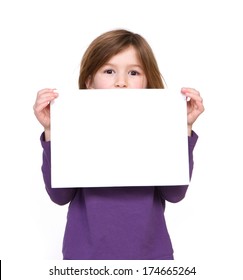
{"x":194,"y":106}
{"x":42,"y":107}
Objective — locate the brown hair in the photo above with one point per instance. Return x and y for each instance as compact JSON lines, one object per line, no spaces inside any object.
{"x":111,"y":43}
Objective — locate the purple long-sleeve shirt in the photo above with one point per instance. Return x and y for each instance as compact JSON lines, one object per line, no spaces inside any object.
{"x":115,"y":223}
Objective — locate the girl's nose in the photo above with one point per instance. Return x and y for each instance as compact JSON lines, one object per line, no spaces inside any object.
{"x":120,"y":82}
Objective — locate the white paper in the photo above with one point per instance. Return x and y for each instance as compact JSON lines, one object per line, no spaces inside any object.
{"x":113,"y":138}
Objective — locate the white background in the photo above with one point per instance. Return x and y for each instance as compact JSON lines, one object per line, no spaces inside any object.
{"x":197,"y":44}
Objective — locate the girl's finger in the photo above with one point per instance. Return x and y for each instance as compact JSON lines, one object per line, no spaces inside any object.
{"x":38,"y":108}
{"x":47,"y":97}
{"x":43,"y":101}
{"x":45,"y":90}
{"x":189,"y":90}
{"x":193,"y":95}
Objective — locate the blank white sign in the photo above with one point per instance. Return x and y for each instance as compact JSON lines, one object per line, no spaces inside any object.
{"x":114,"y":138}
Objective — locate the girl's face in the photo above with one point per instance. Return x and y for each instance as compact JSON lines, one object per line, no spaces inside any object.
{"x":123,"y":70}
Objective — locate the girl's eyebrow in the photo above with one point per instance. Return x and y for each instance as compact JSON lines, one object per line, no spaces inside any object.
{"x":129,"y":65}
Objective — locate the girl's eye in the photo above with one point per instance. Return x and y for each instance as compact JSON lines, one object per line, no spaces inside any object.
{"x":134,"y":73}
{"x":109,"y":71}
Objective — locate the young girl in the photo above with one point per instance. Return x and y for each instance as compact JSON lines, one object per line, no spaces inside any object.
{"x":121,"y":222}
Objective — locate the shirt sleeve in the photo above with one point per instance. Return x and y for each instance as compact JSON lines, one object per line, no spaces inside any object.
{"x":60,"y":196}
{"x":177,"y":193}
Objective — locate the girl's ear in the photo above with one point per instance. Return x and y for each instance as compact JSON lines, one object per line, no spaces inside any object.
{"x":88,"y":83}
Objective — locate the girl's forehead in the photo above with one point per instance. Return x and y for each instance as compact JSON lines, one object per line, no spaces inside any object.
{"x":129,"y":53}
